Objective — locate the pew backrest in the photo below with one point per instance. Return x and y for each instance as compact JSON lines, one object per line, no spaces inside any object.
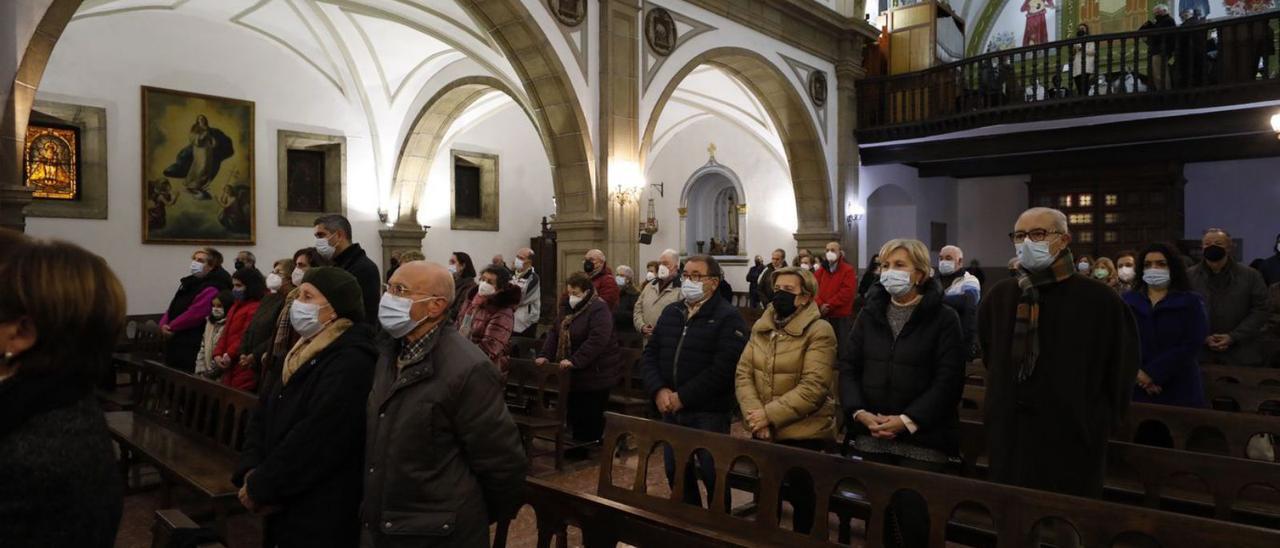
{"x":207,"y":411}
{"x":533,"y":389}
{"x":1016,"y":512}
{"x":1249,"y":376}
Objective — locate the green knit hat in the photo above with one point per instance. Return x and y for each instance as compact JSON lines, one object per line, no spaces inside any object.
{"x":340,"y":288}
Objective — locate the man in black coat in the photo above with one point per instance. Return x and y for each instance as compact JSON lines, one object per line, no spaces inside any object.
{"x":443,"y":456}
{"x":689,"y":363}
{"x":1062,"y":357}
{"x":777,"y":261}
{"x":333,"y":241}
{"x":753,"y":279}
{"x":1270,"y":267}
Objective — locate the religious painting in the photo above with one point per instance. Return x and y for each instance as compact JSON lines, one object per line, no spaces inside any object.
{"x":305,"y":180}
{"x":197,"y":168}
{"x":569,"y":12}
{"x":51,"y":161}
{"x":1037,"y":27}
{"x":660,"y":31}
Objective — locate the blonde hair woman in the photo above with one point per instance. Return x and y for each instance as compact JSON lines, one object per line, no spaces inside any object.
{"x":784,"y":378}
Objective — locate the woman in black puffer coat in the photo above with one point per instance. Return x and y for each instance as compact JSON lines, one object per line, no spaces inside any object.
{"x":582,"y":340}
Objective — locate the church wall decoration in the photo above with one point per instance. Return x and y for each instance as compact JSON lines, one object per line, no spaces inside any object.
{"x":660,"y":31}
{"x":51,"y":161}
{"x":568,"y":12}
{"x":197,"y":168}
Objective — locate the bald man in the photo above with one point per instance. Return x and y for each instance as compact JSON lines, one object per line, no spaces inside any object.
{"x":438,"y":434}
{"x":1236,"y":298}
{"x":530,"y":307}
{"x":962,"y":291}
{"x":1062,"y":358}
{"x":594,"y":264}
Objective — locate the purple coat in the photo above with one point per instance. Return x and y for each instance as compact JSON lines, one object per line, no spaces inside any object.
{"x":1171,"y":335}
{"x":593,"y":347}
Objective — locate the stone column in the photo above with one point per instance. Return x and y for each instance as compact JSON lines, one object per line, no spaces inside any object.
{"x":816,"y":241}
{"x":573,"y":239}
{"x":848,"y":71}
{"x":620,"y":123}
{"x":401,"y":237}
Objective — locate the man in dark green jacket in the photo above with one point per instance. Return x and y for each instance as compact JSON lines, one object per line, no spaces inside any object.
{"x":1237,"y":302}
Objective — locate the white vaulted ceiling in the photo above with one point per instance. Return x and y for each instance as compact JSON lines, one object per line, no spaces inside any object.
{"x":707,"y":93}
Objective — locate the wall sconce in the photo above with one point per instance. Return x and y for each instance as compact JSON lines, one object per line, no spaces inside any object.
{"x":625,"y":181}
{"x":1275,"y":124}
{"x":658,"y":186}
{"x":383,"y":216}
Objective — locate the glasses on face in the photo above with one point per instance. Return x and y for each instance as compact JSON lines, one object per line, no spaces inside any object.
{"x":400,"y":290}
{"x":1036,"y":235}
{"x":698,"y":277}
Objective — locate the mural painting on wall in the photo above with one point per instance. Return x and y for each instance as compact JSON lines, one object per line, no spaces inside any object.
{"x":1037,"y":27}
{"x":51,"y":161}
{"x":197,"y":168}
{"x":1001,"y":41}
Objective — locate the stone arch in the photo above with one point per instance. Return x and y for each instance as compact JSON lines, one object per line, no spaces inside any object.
{"x":806,"y":157}
{"x":891,"y":213}
{"x":723,"y":180}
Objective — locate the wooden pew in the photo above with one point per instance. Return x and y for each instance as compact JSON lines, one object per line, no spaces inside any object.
{"x":531,"y":396}
{"x":1016,"y":511}
{"x":189,"y":428}
{"x":140,"y":341}
{"x":173,"y":529}
{"x":1250,"y":376}
{"x":1245,"y":398}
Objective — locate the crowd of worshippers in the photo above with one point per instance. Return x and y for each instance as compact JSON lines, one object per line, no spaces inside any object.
{"x":382,"y":416}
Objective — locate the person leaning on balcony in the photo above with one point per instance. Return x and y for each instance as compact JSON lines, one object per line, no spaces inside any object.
{"x":1159,"y":48}
{"x":1084,"y":61}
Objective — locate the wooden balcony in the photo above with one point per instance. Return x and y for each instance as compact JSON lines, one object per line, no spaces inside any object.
{"x":1219,"y":62}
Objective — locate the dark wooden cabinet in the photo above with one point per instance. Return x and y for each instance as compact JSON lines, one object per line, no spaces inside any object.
{"x":1115,"y":208}
{"x":544,"y":261}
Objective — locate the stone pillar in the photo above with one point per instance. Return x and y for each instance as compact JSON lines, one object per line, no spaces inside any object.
{"x":401,"y":238}
{"x":573,"y":239}
{"x":14,"y":194}
{"x":619,"y":124}
{"x":848,"y":71}
{"x":684,"y":233}
{"x":816,"y":241}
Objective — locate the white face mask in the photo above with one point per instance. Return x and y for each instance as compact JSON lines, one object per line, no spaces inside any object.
{"x":393,"y":314}
{"x":298,"y":273}
{"x":1083,"y":267}
{"x":832,"y":256}
{"x":806,"y":266}
{"x":324,"y":248}
{"x":274,"y":281}
{"x":896,"y":282}
{"x":1125,"y":273}
{"x":1156,"y":277}
{"x":575,"y":300}
{"x":519,"y":264}
{"x":691,"y":291}
{"x":1034,"y":256}
{"x":453,"y":269}
{"x":947,"y":268}
{"x":664,"y":272}
{"x":622,"y":280}
{"x":485,"y":289}
{"x":197,"y":268}
{"x":305,"y":318}
{"x":649,"y":276}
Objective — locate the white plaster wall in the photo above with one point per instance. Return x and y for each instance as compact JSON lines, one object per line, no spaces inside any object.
{"x":934,"y":199}
{"x":1240,"y":196}
{"x":987,"y":208}
{"x":771,"y":205}
{"x":525,"y":189}
{"x":105,"y":61}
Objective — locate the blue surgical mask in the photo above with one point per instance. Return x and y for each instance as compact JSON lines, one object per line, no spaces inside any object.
{"x":1034,"y":256}
{"x":1156,"y":277}
{"x":305,"y":318}
{"x":393,"y":314}
{"x":691,"y":291}
{"x":324,"y":248}
{"x":238,"y":294}
{"x":896,"y":282}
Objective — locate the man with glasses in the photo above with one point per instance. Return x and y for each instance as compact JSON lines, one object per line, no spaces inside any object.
{"x":689,"y":363}
{"x":1062,"y":357}
{"x":439,"y":439}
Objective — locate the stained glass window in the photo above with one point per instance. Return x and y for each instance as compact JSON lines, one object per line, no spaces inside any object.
{"x":51,"y":162}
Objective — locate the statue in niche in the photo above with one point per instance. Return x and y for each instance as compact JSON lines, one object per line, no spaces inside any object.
{"x":731,"y":219}
{"x":716,"y":247}
{"x":660,"y":31}
{"x":568,"y":12}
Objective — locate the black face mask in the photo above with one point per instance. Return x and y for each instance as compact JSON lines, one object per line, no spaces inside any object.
{"x":588,"y":266}
{"x":1215,"y":253}
{"x":1013,"y":273}
{"x":239,"y":265}
{"x":1082,"y":33}
{"x":784,"y":304}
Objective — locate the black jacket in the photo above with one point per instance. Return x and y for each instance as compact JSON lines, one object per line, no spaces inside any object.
{"x":59,"y":485}
{"x":443,"y":456}
{"x":920,"y":374}
{"x":765,"y":285}
{"x":1270,"y":269}
{"x":305,"y":446}
{"x":697,"y":359}
{"x":357,"y":263}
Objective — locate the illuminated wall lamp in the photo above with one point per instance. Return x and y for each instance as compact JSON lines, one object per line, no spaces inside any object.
{"x":1275,"y":124}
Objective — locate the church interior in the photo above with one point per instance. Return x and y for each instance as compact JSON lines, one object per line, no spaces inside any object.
{"x":664,"y":143}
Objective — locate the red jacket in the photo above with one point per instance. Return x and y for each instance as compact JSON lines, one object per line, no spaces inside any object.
{"x":243,"y":378}
{"x":837,"y":289}
{"x":492,"y":319}
{"x":606,"y":287}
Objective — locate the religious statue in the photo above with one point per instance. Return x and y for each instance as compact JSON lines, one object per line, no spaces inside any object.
{"x":197,"y":163}
{"x":717,"y":248}
{"x":731,"y":216}
{"x":1037,"y":29}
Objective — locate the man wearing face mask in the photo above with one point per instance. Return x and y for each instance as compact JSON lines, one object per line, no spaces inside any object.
{"x":1237,"y":300}
{"x":334,"y":242}
{"x":628,"y":294}
{"x":961,"y":292}
{"x":1061,"y":353}
{"x":530,"y":308}
{"x":1126,"y":271}
{"x":777,"y":261}
{"x":596,"y":268}
{"x":657,"y":295}
{"x":1270,"y":267}
{"x":440,"y":441}
{"x":688,"y":366}
{"x":753,"y":280}
{"x":837,"y":286}
{"x":246,"y":259}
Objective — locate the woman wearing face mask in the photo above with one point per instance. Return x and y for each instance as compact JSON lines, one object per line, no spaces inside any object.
{"x":1172,"y":324}
{"x":1084,"y":265}
{"x":183,"y":322}
{"x":205,"y":365}
{"x":285,"y":336}
{"x":258,"y":337}
{"x":464,"y":280}
{"x":1126,"y":273}
{"x":1084,"y":61}
{"x":247,"y":291}
{"x":581,"y":340}
{"x":628,"y":295}
{"x":489,"y":314}
{"x":901,"y":379}
{"x":806,"y":264}
{"x":1105,"y":271}
{"x":650,"y":274}
{"x":302,"y":463}
{"x":784,"y":379}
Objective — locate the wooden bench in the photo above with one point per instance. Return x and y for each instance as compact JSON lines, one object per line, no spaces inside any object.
{"x":140,"y":341}
{"x":1251,"y":376}
{"x":629,"y":514}
{"x":189,"y":428}
{"x":174,"y":529}
{"x":1245,"y":398}
{"x":531,"y":396}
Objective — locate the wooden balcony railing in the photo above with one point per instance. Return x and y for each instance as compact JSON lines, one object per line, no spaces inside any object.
{"x":1224,"y":61}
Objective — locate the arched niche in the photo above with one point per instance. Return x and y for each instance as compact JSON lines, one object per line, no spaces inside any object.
{"x":714,"y":205}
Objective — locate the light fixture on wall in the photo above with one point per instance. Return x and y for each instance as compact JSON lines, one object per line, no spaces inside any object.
{"x":382,"y":216}
{"x":659,"y":186}
{"x":625,"y":181}
{"x":1275,"y":124}
{"x":854,"y":214}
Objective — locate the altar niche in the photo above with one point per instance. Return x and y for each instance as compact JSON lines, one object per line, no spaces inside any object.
{"x":713,"y":214}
